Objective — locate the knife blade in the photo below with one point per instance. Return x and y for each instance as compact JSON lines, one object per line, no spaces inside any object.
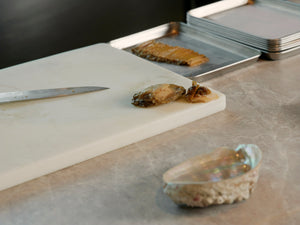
{"x":16,"y":96}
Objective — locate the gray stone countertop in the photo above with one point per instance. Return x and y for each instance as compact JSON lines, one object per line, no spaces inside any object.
{"x":125,"y":185}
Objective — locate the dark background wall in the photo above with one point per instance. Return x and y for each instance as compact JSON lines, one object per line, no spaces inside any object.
{"x":31,"y":29}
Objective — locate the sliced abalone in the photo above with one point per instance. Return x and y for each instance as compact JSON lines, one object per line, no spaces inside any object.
{"x":223,"y":176}
{"x":197,"y":93}
{"x":158,"y":94}
{"x":160,"y":52}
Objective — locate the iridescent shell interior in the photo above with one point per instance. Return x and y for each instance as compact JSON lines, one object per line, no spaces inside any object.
{"x":222,"y":176}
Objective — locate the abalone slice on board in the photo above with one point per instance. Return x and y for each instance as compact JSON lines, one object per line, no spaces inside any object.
{"x":223,"y":176}
{"x":197,"y":93}
{"x":158,"y":94}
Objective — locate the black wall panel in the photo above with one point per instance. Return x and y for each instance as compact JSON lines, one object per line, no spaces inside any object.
{"x":31,"y":29}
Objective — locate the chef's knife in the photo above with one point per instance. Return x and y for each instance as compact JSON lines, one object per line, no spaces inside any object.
{"x":45,"y":93}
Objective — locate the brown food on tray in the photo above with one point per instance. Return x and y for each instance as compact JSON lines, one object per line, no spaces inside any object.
{"x":161,"y":52}
{"x":164,"y":93}
{"x":158,"y":94}
{"x":198,"y":93}
{"x":251,"y":2}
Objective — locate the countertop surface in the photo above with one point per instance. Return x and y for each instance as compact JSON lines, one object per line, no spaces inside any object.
{"x":125,"y":186}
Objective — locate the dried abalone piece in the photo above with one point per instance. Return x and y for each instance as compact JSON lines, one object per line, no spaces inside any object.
{"x":223,"y":176}
{"x":158,"y":94}
{"x":197,"y":93}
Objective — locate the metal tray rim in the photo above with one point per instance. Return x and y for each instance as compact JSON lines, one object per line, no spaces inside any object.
{"x":247,"y":40}
{"x":222,"y":29}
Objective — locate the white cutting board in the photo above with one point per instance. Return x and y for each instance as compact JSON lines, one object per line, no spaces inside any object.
{"x":42,"y":136}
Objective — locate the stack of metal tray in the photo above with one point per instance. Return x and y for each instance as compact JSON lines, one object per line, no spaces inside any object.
{"x":271,"y":26}
{"x":224,"y":55}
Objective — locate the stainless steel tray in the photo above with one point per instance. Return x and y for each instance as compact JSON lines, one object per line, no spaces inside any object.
{"x":270,"y":25}
{"x":282,"y":54}
{"x":224,"y":55}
